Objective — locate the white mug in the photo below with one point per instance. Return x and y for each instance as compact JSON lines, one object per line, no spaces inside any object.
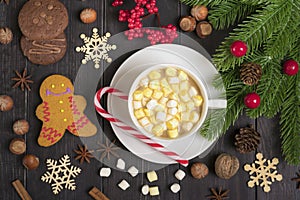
{"x":207,"y":103}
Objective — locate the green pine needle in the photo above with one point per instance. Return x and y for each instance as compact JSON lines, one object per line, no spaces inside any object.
{"x":228,"y":13}
{"x":271,"y":30}
{"x":290,"y":121}
{"x":203,"y":2}
{"x":255,"y":30}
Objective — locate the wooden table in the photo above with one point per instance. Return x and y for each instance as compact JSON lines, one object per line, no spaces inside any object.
{"x":11,"y":59}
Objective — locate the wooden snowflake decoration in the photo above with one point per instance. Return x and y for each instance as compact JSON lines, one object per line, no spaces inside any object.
{"x":96,"y":48}
{"x":61,"y":174}
{"x":263,"y":175}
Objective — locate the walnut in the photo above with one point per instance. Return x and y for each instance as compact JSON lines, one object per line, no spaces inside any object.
{"x":6,"y":35}
{"x":199,"y":170}
{"x":226,"y":166}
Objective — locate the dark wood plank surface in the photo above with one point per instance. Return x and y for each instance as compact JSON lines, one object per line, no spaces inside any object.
{"x":11,"y":168}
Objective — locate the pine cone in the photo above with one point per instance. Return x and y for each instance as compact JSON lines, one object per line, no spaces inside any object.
{"x":247,"y":140}
{"x":250,"y":73}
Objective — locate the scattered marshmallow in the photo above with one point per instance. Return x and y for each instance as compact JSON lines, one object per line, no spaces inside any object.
{"x":193,"y":91}
{"x":137,"y":104}
{"x":144,"y":121}
{"x":180,"y":174}
{"x":144,"y":82}
{"x":151,"y":104}
{"x":172,"y":103}
{"x":187,"y":126}
{"x":148,"y":127}
{"x":194,"y":117}
{"x":154,"y":191}
{"x":172,"y":111}
{"x":145,"y":189}
{"x":124,"y":185}
{"x":175,"y":188}
{"x":173,"y":80}
{"x":105,"y":172}
{"x":161,"y":116}
{"x":152,"y":176}
{"x":133,"y":171}
{"x":120,"y":164}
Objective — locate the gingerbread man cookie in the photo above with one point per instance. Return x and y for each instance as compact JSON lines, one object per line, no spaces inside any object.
{"x":61,"y":110}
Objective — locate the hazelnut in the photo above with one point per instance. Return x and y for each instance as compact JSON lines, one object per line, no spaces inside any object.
{"x":199,"y":170}
{"x":6,"y":103}
{"x":200,"y":12}
{"x":226,"y":166}
{"x":21,"y":127}
{"x":31,"y":162}
{"x":17,"y":146}
{"x":203,"y":29}
{"x":187,"y":23}
{"x":6,"y":35}
{"x":88,"y":15}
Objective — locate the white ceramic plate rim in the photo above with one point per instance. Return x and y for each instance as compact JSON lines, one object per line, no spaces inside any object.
{"x":188,"y":55}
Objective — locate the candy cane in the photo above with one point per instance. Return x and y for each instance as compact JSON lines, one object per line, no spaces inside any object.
{"x":129,"y":129}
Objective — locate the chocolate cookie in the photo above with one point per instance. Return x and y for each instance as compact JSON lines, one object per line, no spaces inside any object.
{"x":43,"y":19}
{"x":44,"y":52}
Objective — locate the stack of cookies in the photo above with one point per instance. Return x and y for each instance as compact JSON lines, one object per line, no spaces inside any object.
{"x":42,"y":23}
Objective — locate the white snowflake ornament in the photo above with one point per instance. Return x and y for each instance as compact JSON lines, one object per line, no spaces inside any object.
{"x":263,"y":175}
{"x":61,"y":174}
{"x":96,"y":48}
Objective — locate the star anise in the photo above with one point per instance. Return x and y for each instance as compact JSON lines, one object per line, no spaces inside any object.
{"x":297,"y":179}
{"x":108,"y":149}
{"x":22,"y":80}
{"x":5,"y":1}
{"x":220,"y":195}
{"x":83,"y":154}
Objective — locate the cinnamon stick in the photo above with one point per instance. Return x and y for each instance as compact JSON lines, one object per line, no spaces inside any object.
{"x":21,"y":190}
{"x":97,"y":194}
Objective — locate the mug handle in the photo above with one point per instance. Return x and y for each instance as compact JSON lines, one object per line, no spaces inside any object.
{"x":217,"y":103}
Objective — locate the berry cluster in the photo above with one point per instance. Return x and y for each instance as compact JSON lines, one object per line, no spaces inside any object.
{"x":163,"y":36}
{"x":134,"y":17}
{"x":117,"y":3}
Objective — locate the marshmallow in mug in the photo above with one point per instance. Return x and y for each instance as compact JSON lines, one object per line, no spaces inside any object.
{"x":167,"y":102}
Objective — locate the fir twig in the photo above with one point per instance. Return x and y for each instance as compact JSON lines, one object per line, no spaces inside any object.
{"x":272,"y":36}
{"x":271,"y":90}
{"x":254,"y":2}
{"x":282,"y":41}
{"x":254,"y":31}
{"x":290,"y":121}
{"x":220,"y":120}
{"x":203,"y":2}
{"x":228,"y":13}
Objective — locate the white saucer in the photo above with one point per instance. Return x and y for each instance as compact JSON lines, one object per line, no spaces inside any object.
{"x":188,"y":147}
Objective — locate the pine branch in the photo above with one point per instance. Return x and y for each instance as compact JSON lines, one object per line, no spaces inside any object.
{"x":283,"y":41}
{"x":254,"y":31}
{"x":255,"y":2}
{"x":203,"y":2}
{"x":219,"y":121}
{"x":226,"y":14}
{"x":290,"y":121}
{"x":271,"y":90}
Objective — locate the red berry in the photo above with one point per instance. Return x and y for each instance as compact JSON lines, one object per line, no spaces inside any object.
{"x":290,"y":67}
{"x":238,"y":48}
{"x":252,"y":100}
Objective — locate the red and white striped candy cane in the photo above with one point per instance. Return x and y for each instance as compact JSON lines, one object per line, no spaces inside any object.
{"x":129,"y":129}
